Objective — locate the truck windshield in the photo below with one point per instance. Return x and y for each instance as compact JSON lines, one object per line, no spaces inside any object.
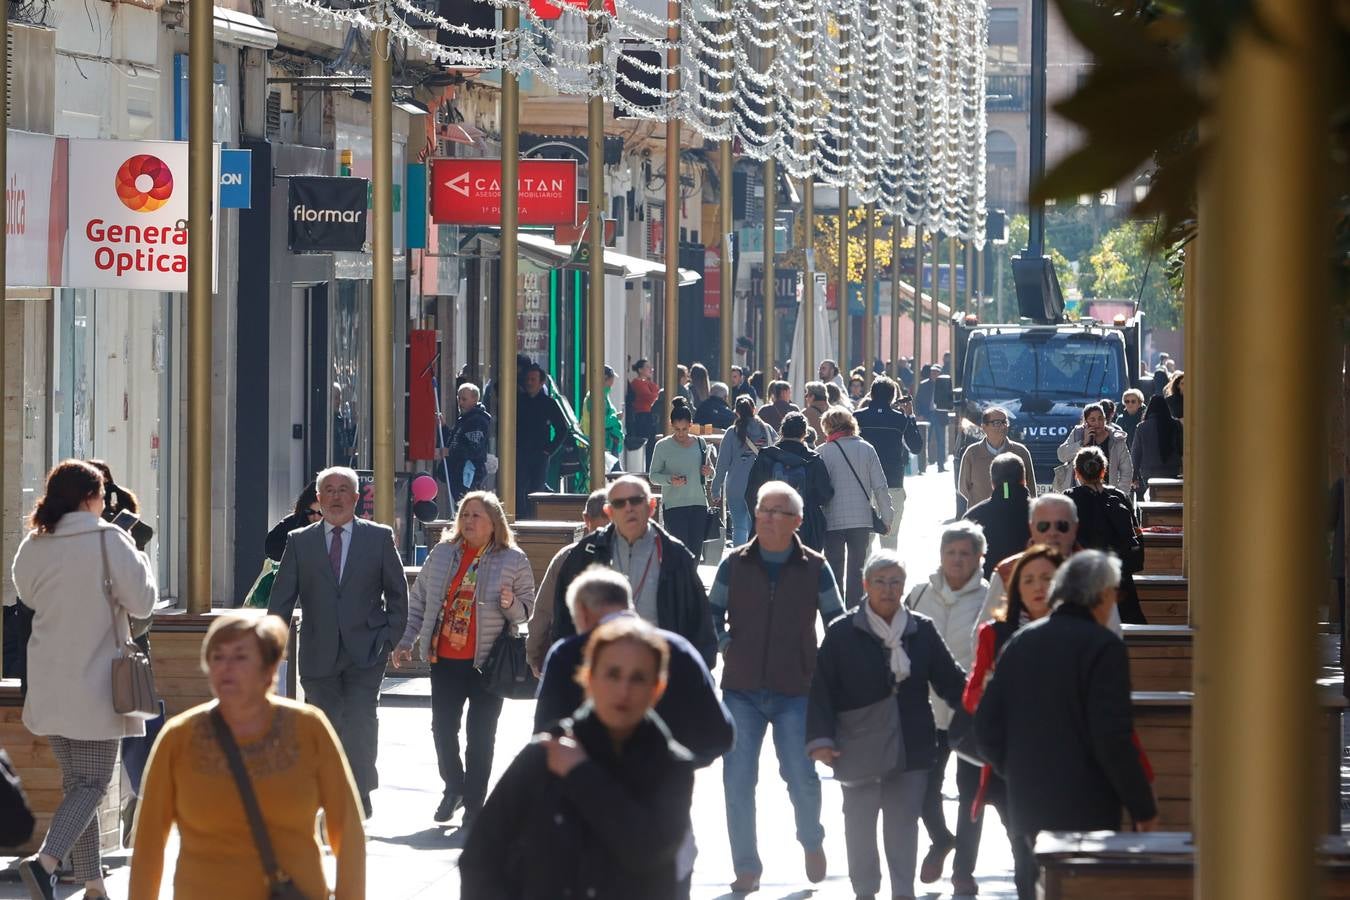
{"x":1061,"y":367}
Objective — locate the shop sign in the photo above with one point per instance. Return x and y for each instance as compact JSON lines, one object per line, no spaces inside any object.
{"x":712,"y":283}
{"x":469,"y":191}
{"x":236,"y":179}
{"x":548,"y":10}
{"x":327,"y":213}
{"x":128,"y":213}
{"x":785,"y":286}
{"x":35,"y":210}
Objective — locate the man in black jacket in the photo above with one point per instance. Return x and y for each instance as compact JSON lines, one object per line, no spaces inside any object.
{"x":714,"y":410}
{"x":667,"y":591}
{"x":466,"y":445}
{"x":1056,"y":720}
{"x":894,"y":435}
{"x":541,"y":429}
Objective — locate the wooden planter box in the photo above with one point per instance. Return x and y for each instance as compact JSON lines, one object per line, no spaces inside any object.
{"x":542,"y":540}
{"x":1163,"y":554}
{"x":558,"y":507}
{"x":1165,"y":490}
{"x":176,"y":650}
{"x":1160,"y":657}
{"x":1152,"y":513}
{"x":1164,"y":599}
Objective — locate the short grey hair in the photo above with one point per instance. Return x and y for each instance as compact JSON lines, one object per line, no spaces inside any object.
{"x":780,"y":489}
{"x":719,"y":389}
{"x":963,"y":530}
{"x":1084,"y":578}
{"x":1045,"y":499}
{"x":630,"y":479}
{"x":882,"y":559}
{"x":469,"y":388}
{"x":595,"y":505}
{"x":599,"y":589}
{"x":345,"y":472}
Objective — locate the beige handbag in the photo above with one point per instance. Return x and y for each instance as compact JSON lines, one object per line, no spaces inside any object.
{"x":133,"y":680}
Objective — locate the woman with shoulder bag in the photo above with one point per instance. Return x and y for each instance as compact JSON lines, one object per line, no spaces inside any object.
{"x":1106,"y":521}
{"x":740,"y":447}
{"x":244,"y":777}
{"x":861,"y":505}
{"x":680,"y":466}
{"x":80,"y":626}
{"x":476,"y":586}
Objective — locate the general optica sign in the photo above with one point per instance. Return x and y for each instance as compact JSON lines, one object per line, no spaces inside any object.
{"x":469,"y":191}
{"x":129,"y":215}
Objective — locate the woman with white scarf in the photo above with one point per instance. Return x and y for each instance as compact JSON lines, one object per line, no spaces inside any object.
{"x":869,"y":718}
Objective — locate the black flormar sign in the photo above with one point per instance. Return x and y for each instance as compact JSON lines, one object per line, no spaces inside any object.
{"x":327,"y":213}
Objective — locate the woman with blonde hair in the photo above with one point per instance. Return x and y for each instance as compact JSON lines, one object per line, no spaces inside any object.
{"x":475,"y":586}
{"x":861,"y":496}
{"x":292,"y":768}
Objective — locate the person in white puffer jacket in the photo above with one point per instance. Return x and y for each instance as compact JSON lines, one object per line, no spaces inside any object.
{"x":953,"y":597}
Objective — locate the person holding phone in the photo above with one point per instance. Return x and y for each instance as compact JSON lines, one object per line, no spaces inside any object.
{"x":680,"y":466}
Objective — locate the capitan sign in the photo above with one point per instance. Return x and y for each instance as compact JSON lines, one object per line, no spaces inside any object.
{"x":129,"y":215}
{"x":327,"y":213}
{"x":469,"y":191}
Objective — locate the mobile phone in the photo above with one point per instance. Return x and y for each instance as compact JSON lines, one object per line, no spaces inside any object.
{"x":126,"y":520}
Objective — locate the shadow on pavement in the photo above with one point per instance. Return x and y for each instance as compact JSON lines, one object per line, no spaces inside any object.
{"x":434,"y":838}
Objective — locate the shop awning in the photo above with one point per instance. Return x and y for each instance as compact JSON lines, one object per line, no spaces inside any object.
{"x":242,"y":29}
{"x":631,"y":268}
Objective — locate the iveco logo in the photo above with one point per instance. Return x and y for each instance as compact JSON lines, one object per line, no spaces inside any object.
{"x":459,"y":184}
{"x":1045,"y":431}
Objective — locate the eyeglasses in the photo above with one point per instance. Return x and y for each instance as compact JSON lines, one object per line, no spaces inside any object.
{"x":888,"y":583}
{"x":621,"y":502}
{"x":1061,"y":525}
{"x":772,"y":513}
{"x":997,"y":423}
{"x":313,"y":513}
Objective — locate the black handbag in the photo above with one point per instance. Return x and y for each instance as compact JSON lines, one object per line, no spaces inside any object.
{"x":878,"y":526}
{"x":279,"y":884}
{"x":505,"y":672}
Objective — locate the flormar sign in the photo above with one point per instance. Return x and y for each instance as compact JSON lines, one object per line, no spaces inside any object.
{"x":469,"y":191}
{"x":129,"y":215}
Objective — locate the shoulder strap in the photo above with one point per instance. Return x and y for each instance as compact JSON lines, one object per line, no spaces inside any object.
{"x":866,"y":492}
{"x":241,"y":780}
{"x":108,"y":594}
{"x":702,"y":458}
{"x":918,"y":596}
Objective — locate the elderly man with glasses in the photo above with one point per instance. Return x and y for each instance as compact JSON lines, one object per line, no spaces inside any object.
{"x":764,"y":601}
{"x":664,"y":577}
{"x":973,"y":481}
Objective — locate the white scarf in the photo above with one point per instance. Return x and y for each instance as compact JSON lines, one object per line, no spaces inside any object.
{"x":890,"y":633}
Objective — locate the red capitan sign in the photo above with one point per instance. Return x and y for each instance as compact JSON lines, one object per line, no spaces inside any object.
{"x":547,"y":10}
{"x":469,"y":191}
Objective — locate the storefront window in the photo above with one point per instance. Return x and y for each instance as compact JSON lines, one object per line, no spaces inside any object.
{"x":349,"y":351}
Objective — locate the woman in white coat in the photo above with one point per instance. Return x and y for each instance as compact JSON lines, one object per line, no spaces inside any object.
{"x":78,"y":630}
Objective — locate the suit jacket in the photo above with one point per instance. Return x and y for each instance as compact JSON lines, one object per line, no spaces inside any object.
{"x":364,"y":614}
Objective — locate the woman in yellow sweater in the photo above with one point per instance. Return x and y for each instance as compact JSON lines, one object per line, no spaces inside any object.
{"x":294,"y":763}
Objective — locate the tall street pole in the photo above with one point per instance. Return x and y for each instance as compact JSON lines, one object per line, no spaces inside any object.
{"x":842,"y":279}
{"x":671,"y":378}
{"x":595,"y":226}
{"x":769,"y":334}
{"x":1265,"y":233}
{"x":869,"y":292}
{"x":951,"y":275}
{"x":808,"y":307}
{"x":200,"y":176}
{"x":1036,"y":213}
{"x":933,"y":325}
{"x":508,"y":270}
{"x":382,"y":291}
{"x":918,"y":302}
{"x":897,"y":229}
{"x":726,"y":170}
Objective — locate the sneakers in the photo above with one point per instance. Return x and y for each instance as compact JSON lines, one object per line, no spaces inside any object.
{"x":935,"y":861}
{"x":815,"y":865}
{"x":41,"y":884}
{"x":745,"y":883}
{"x":449,"y":803}
{"x":964,"y":886}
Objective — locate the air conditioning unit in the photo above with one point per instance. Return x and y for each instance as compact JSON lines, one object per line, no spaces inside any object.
{"x":30,"y":92}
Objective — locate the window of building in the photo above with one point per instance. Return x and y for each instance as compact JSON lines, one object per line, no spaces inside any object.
{"x":1000,"y":151}
{"x":1003,"y":44}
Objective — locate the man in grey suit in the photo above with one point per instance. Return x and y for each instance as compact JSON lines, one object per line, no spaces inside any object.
{"x":346,"y":574}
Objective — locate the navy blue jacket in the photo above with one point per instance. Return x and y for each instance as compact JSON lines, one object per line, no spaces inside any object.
{"x":894,"y":435}
{"x":689,"y":707}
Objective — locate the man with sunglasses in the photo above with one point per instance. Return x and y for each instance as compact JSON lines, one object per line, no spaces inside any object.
{"x":973,"y":481}
{"x":667,"y":591}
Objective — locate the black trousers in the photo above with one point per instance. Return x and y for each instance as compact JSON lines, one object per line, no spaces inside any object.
{"x":455,"y":682}
{"x":689,"y":524}
{"x":967,"y":786}
{"x":531,"y":478}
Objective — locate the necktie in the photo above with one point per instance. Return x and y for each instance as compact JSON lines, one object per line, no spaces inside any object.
{"x":335,"y":553}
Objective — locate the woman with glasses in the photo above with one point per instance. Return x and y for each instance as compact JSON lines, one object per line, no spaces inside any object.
{"x":973,"y":481}
{"x":870,"y":719}
{"x":306,"y":512}
{"x":1131,"y":412}
{"x":1106,"y":521}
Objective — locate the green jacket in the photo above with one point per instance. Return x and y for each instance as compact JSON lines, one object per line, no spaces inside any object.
{"x":613,"y":424}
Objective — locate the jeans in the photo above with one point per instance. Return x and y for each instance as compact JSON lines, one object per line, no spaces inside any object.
{"x":937,"y":439}
{"x":967,"y":786}
{"x":739,"y":516}
{"x":753,"y":712}
{"x":848,"y":576}
{"x":689,"y":524}
{"x":891,"y":539}
{"x":897,"y":798}
{"x":453,"y":683}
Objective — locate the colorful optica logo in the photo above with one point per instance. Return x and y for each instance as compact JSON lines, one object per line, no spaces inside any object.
{"x":144,"y":183}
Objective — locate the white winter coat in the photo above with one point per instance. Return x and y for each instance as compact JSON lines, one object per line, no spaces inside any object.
{"x":60,"y":576}
{"x":954,"y":614}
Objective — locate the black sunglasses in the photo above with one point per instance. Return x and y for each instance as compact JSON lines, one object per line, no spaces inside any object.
{"x":621,"y":502}
{"x":1061,"y":525}
{"x":312,"y":513}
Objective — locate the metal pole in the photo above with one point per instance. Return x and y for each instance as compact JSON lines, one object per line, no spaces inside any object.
{"x":808,"y":307}
{"x":382,"y":291}
{"x":937,"y":317}
{"x":842,"y":277}
{"x":1263,"y":234}
{"x":951,"y":275}
{"x":897,"y":227}
{"x":769,"y":333}
{"x":508,"y":269}
{"x":671,"y":377}
{"x":968,"y":295}
{"x":918,"y":302}
{"x":200,"y":172}
{"x":1036,"y":213}
{"x":726,"y":169}
{"x":4,"y":239}
{"x":869,"y":292}
{"x":595,"y":300}
{"x":979,"y":280}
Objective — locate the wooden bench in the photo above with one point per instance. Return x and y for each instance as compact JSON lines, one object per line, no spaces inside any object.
{"x":37,"y":767}
{"x":1109,"y":865}
{"x":1163,"y":554}
{"x":541,"y":540}
{"x":1162,"y":656}
{"x":558,"y":507}
{"x":1153,"y":513}
{"x":1163,"y":598}
{"x":176,"y":651}
{"x":1165,"y":490}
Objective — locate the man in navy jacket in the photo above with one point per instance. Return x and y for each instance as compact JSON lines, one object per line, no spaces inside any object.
{"x":894,"y":435}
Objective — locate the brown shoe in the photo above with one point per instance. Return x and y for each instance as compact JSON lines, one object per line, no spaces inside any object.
{"x":745,"y":883}
{"x":964,"y":886}
{"x":934,"y":861}
{"x":815,"y":866}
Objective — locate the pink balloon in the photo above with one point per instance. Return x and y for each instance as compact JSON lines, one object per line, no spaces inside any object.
{"x":424,"y":487}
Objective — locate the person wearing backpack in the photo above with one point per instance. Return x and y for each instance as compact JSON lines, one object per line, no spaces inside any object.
{"x":793,"y":463}
{"x":740,"y":445}
{"x":895,"y":435}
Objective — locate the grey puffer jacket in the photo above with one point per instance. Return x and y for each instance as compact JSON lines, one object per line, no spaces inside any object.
{"x":499,"y":566}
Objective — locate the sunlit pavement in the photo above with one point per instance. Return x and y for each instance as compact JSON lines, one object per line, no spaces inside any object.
{"x":408,"y":856}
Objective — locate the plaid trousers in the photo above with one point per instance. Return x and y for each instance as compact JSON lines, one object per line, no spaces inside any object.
{"x":86,"y":771}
